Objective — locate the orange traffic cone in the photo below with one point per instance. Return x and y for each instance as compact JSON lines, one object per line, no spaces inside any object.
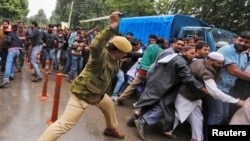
{"x":45,"y":82}
{"x":56,"y":99}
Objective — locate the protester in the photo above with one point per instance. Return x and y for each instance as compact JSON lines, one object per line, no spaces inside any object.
{"x":163,"y":81}
{"x":188,"y":103}
{"x":36,"y":43}
{"x":148,"y":58}
{"x":14,"y":45}
{"x":21,"y":33}
{"x":3,"y":47}
{"x":234,"y":65}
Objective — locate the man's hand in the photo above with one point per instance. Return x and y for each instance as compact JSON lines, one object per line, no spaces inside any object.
{"x":22,"y":38}
{"x":204,"y":90}
{"x":114,"y":19}
{"x":240,"y":103}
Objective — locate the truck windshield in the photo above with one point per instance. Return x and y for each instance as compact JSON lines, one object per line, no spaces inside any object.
{"x":193,"y":33}
{"x":223,"y":36}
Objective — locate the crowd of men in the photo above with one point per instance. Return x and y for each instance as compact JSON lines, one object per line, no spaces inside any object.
{"x":66,"y":49}
{"x":181,"y":79}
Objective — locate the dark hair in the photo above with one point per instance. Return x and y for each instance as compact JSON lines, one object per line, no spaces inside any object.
{"x":111,"y":47}
{"x":77,"y":28}
{"x":245,"y":35}
{"x":134,"y":42}
{"x":34,"y":23}
{"x":6,"y":20}
{"x":200,"y":45}
{"x":189,"y":39}
{"x":130,"y":33}
{"x":14,"y":27}
{"x":196,"y":39}
{"x":172,"y":40}
{"x":160,"y":41}
{"x":181,"y":39}
{"x":152,"y":36}
{"x":118,"y":34}
{"x":50,"y":26}
{"x":187,"y":48}
{"x":20,"y":22}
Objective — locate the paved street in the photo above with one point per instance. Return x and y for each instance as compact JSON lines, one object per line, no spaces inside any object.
{"x":24,"y":116}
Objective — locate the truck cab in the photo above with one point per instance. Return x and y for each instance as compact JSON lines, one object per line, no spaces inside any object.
{"x":212,"y":36}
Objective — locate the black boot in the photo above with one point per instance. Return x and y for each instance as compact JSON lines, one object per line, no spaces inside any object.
{"x":4,"y":84}
{"x":131,"y":121}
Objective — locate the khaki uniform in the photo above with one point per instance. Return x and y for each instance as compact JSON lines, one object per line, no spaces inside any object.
{"x":89,"y":88}
{"x":95,"y":79}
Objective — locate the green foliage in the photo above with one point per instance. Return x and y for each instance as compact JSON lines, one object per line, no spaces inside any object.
{"x":55,"y":18}
{"x":132,"y":8}
{"x":227,"y":14}
{"x":14,"y":9}
{"x":40,"y":17}
{"x":162,"y":7}
{"x":62,"y":9}
{"x":88,"y":9}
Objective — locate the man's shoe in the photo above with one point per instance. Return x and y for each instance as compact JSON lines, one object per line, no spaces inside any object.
{"x":170,"y":135}
{"x":114,"y":98}
{"x":34,"y":74}
{"x":131,"y":121}
{"x":119,"y":102}
{"x":37,"y":79}
{"x":4,"y":84}
{"x":140,"y":125}
{"x":114,"y":133}
{"x":11,"y":77}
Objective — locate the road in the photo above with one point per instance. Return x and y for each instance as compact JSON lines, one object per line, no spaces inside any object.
{"x":24,"y":116}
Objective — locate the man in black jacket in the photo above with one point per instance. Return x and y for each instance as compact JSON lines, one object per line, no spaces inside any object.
{"x":36,"y":42}
{"x":14,"y":45}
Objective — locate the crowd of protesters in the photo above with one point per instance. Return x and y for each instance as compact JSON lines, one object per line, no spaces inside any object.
{"x":170,"y":76}
{"x":66,"y":49}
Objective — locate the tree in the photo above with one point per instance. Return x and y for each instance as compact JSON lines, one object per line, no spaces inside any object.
{"x":40,"y":18}
{"x":14,"y":9}
{"x":132,"y":8}
{"x":62,"y":9}
{"x":226,"y":14}
{"x":55,"y":18}
{"x":162,"y":7}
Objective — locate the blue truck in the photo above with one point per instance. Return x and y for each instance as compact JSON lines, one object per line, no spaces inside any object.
{"x":175,"y":26}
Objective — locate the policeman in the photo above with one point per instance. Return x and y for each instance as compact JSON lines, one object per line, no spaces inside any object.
{"x":91,"y":85}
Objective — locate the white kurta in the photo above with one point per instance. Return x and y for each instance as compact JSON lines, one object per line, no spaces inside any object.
{"x":191,"y":110}
{"x":184,"y":107}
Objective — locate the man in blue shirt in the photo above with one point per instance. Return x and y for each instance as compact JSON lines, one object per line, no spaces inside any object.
{"x":235,"y":63}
